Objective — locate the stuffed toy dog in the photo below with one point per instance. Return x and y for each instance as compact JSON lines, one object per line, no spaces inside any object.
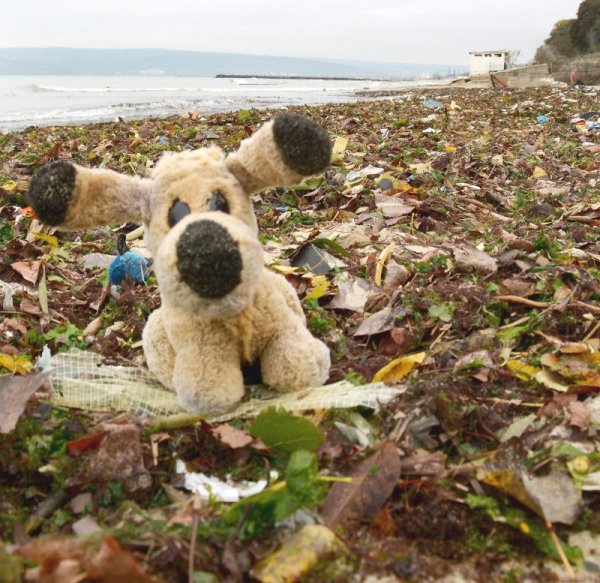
{"x":220,"y":307}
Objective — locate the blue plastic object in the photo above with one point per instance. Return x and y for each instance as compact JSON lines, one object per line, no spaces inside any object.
{"x":130,"y":265}
{"x":543,"y":119}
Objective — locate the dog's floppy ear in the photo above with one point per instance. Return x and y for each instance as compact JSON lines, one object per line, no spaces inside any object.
{"x":281,"y":153}
{"x":69,"y":196}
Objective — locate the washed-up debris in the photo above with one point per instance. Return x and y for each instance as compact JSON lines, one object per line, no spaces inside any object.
{"x":15,"y":391}
{"x":373,"y":481}
{"x":432,"y":104}
{"x":299,"y":555}
{"x":554,"y":497}
{"x":352,"y":295}
{"x":211,"y":488}
{"x":130,"y":265}
{"x":460,"y":253}
{"x":316,"y":260}
{"x":363,"y":173}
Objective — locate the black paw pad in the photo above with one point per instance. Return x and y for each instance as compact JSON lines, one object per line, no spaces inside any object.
{"x":209,"y":259}
{"x":305,"y":146}
{"x":51,"y":190}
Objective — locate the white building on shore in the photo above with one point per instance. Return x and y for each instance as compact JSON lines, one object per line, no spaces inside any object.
{"x":486,"y":62}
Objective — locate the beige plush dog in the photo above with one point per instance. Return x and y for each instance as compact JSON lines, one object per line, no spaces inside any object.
{"x":221,"y":307}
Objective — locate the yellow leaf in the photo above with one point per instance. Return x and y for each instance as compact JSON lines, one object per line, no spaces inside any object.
{"x":318,"y":280}
{"x":381,"y":262}
{"x":299,"y":554}
{"x":43,"y":292}
{"x":20,"y":364}
{"x":399,"y":368}
{"x":550,"y":380}
{"x":285,"y":269}
{"x":522,"y":370}
{"x":321,"y":285}
{"x":10,"y":185}
{"x":50,"y":239}
{"x":551,"y":361}
{"x":337,"y":152}
{"x":539,"y":172}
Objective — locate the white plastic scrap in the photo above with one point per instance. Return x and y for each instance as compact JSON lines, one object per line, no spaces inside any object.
{"x":43,"y":361}
{"x":7,"y":305}
{"x":209,"y":487}
{"x":364,"y":172}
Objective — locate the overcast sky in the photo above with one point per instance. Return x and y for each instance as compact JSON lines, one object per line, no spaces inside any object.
{"x":410,"y":31}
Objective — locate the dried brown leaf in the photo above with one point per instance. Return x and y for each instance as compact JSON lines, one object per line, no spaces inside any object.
{"x":373,"y":481}
{"x":15,"y":391}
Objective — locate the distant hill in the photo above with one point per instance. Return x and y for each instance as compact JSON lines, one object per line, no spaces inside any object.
{"x":68,"y":61}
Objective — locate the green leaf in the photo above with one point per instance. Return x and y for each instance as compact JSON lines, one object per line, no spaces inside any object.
{"x":511,"y":334}
{"x":443,"y":312}
{"x":330,"y":245}
{"x":308,"y":184}
{"x":244,"y":115}
{"x":526,"y":523}
{"x":302,"y":487}
{"x":301,"y":477}
{"x":284,"y":433}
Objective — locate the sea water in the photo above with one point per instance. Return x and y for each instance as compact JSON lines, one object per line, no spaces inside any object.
{"x":52,"y":100}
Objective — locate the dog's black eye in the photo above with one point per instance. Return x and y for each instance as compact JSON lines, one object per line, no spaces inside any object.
{"x":218,"y":202}
{"x":179,"y":210}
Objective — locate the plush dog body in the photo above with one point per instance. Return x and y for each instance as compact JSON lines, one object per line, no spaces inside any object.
{"x":220,"y":306}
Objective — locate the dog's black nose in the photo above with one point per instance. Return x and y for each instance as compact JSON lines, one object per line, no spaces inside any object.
{"x":209,"y":259}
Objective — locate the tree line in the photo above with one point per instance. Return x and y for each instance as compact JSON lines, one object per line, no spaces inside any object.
{"x":573,"y":37}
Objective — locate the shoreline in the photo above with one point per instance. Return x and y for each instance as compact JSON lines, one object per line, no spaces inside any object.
{"x":58,"y":101}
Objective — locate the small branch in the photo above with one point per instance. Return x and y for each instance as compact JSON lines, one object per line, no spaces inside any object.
{"x":581,"y":219}
{"x":484,"y":207}
{"x":524,"y":301}
{"x":195,"y":521}
{"x":515,"y":323}
{"x":560,"y":551}
{"x":589,"y":307}
{"x":341,"y":479}
{"x":174,"y":422}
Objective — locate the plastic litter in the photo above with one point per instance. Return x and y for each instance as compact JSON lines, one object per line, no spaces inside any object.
{"x":209,"y":487}
{"x":433,"y":104}
{"x":130,"y":265}
{"x":363,"y":173}
{"x":80,"y":380}
{"x":543,"y":119}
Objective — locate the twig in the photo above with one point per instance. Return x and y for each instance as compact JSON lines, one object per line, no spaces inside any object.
{"x":515,"y":402}
{"x":560,"y":550}
{"x":589,"y":307}
{"x":589,"y":335}
{"x":484,"y":207}
{"x":174,"y":422}
{"x":195,"y":520}
{"x":515,"y":323}
{"x":525,"y":301}
{"x":581,"y":219}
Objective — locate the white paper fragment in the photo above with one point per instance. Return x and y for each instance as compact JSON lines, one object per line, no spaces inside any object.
{"x":209,"y":487}
{"x":43,"y":361}
{"x":93,"y":260}
{"x":86,"y":526}
{"x":364,"y":172}
{"x":7,"y":304}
